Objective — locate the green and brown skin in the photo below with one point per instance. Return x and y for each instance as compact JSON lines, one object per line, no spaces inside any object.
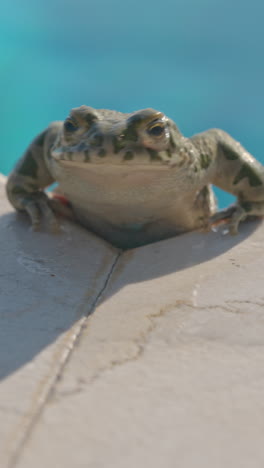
{"x":134,"y":178}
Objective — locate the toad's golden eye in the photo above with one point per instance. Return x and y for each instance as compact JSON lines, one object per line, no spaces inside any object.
{"x":70,"y":125}
{"x":156,"y":130}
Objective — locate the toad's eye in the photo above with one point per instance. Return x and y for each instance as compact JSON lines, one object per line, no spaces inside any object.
{"x":156,"y":130}
{"x":70,"y":125}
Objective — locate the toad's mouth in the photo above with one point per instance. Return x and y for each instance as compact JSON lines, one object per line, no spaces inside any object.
{"x":113,"y":164}
{"x":85,"y":157}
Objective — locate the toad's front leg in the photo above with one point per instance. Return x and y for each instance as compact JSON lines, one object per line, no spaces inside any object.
{"x":26,"y":183}
{"x":238,"y":172}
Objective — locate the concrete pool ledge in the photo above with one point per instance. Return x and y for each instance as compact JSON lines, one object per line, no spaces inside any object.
{"x":167,"y":371}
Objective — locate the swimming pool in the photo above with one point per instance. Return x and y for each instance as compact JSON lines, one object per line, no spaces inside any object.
{"x":199,"y":61}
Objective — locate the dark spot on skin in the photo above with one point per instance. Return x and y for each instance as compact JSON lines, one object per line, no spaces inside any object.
{"x":247,"y":171}
{"x":118,"y":143}
{"x":133,"y":123}
{"x":102,"y":153}
{"x":130,"y":134}
{"x":128,"y":155}
{"x":97,"y":140}
{"x":154,"y":155}
{"x":90,"y":118}
{"x":172,"y":142}
{"x":247,"y":206}
{"x":202,"y":221}
{"x":205,"y":161}
{"x":18,"y":190}
{"x":136,"y":119}
{"x":29,"y":166}
{"x":229,"y":153}
{"x":205,"y":191}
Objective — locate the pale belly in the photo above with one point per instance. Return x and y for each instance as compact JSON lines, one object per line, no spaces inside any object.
{"x":131,"y":206}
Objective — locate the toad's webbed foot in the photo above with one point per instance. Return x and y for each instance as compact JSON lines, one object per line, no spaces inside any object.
{"x":38,"y":207}
{"x":234,"y":214}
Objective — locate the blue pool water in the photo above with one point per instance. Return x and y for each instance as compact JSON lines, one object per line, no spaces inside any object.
{"x":199,"y":61}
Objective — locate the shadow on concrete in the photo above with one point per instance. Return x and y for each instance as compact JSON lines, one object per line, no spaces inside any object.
{"x":32,"y":278}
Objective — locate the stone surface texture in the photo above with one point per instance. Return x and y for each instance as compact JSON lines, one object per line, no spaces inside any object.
{"x":167,"y":371}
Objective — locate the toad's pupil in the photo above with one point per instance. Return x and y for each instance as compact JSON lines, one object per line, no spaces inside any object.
{"x":156,"y":131}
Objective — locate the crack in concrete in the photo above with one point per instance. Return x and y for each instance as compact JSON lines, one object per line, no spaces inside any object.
{"x":31,"y":418}
{"x":142,"y":343}
{"x":236,"y":301}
